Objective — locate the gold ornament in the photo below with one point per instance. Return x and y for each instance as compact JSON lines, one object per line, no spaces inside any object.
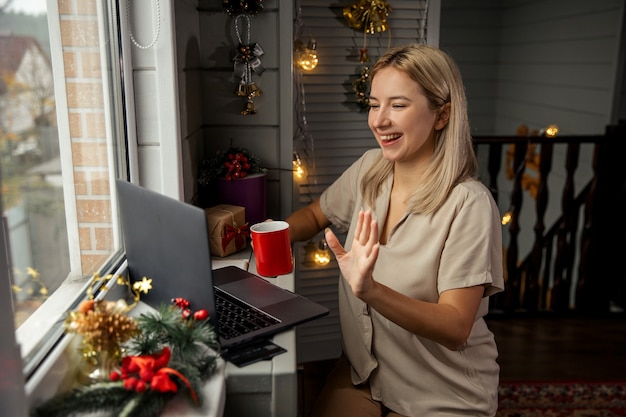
{"x":359,"y":86}
{"x":253,"y":90}
{"x":104,"y":327}
{"x":241,"y":90}
{"x":368,"y":15}
{"x":249,"y":109}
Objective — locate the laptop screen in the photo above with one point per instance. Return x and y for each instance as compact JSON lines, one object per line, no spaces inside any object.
{"x":166,"y":241}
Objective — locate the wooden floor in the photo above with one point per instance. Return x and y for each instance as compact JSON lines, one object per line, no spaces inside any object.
{"x":531,"y":349}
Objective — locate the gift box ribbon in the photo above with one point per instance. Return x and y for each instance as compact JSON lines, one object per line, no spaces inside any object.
{"x":237,"y":233}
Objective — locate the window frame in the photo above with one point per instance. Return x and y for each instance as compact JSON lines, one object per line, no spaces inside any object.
{"x":44,"y":329}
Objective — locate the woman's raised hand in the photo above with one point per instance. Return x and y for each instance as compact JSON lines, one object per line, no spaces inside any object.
{"x":357,"y":264}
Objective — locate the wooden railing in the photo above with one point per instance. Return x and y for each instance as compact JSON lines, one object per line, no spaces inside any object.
{"x":577,"y":263}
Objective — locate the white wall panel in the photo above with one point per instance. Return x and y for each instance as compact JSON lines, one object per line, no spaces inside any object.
{"x":150,"y":162}
{"x":553,"y":61}
{"x":146,"y":102}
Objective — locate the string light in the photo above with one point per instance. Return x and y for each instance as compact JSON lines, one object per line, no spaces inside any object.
{"x":306,"y":57}
{"x":298,"y":168}
{"x":316,"y":254}
{"x":550,"y":131}
{"x":322,"y":255}
{"x":304,"y":144}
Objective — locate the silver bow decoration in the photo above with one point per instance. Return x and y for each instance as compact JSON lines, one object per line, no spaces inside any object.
{"x":248,"y":59}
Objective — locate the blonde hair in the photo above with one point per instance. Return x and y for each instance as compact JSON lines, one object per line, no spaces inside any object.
{"x":454,"y":160}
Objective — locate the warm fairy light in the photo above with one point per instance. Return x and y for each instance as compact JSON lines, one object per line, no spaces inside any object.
{"x":306,"y":58}
{"x":298,"y":167}
{"x":550,"y":131}
{"x":322,"y":255}
{"x":506,"y":218}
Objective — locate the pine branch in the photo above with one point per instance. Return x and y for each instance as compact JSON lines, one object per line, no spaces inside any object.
{"x":107,"y":396}
{"x":147,"y":404}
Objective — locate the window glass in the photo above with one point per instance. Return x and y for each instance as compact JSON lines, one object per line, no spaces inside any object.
{"x":59,"y":114}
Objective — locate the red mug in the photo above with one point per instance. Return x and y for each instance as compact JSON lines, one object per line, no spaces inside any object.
{"x":272,"y":248}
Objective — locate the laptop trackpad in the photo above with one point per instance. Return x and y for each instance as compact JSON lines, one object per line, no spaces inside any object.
{"x":257,"y":292}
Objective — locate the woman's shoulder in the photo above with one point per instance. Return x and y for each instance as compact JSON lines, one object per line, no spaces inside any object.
{"x":470,"y":188}
{"x":365,"y":161}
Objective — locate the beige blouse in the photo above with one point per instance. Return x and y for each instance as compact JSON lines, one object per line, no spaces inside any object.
{"x":458,"y":246}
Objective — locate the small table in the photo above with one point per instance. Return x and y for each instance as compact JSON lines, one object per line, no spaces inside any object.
{"x":267,"y":388}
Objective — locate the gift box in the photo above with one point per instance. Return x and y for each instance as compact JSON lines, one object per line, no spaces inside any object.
{"x":227,"y":228}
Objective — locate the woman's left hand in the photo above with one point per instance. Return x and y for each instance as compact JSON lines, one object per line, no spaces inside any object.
{"x":357,"y":264}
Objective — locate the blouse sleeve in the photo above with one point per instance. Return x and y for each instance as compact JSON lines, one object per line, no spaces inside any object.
{"x":472,"y":254}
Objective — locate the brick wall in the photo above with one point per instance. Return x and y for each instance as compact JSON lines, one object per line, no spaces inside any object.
{"x":87,"y":129}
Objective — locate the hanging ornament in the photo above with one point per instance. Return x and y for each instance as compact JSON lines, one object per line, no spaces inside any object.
{"x":368,"y":15}
{"x":363,"y":56}
{"x":246,"y":62}
{"x":360,"y":88}
{"x":237,"y":7}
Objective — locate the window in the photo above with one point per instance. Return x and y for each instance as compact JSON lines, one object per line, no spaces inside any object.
{"x":61,"y":144}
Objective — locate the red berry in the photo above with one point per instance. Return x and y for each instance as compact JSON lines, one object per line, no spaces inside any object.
{"x":180,"y":302}
{"x":200,"y":314}
{"x":130,"y":383}
{"x":140,"y":387}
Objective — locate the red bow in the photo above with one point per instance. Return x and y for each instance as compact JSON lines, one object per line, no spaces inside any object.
{"x":150,"y":371}
{"x":237,"y":233}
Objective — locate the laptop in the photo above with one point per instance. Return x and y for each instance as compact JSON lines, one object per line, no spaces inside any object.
{"x":167,"y":240}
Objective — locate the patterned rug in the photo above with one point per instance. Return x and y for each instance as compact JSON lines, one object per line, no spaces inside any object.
{"x":562,"y":399}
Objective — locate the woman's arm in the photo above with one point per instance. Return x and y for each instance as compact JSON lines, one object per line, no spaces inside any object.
{"x":447,"y":322}
{"x":307,"y":222}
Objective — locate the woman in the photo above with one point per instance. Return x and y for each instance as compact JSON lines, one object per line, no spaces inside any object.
{"x":422,"y":255}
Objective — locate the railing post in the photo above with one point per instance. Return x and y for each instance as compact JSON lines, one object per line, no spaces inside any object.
{"x":566,"y":236}
{"x":532,"y":297}
{"x":513,"y":272}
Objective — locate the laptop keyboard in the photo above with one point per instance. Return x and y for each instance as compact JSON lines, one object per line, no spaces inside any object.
{"x":236,"y":317}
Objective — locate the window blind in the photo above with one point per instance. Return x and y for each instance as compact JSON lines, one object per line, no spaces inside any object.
{"x":333,"y":132}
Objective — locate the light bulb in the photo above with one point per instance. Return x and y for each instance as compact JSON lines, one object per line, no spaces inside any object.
{"x":308,"y":59}
{"x":298,"y":168}
{"x":322,"y":255}
{"x":506,"y":218}
{"x":550,"y":131}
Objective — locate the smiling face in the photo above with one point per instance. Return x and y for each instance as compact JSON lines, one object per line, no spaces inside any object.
{"x":400,"y":118}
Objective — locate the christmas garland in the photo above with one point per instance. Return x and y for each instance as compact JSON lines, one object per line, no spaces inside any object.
{"x":173,"y":350}
{"x":237,"y":7}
